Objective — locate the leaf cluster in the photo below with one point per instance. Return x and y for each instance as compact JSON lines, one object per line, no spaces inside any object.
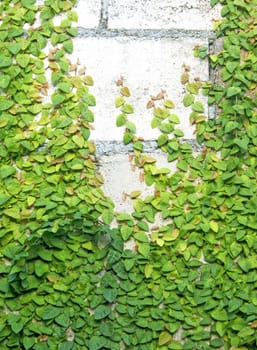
{"x":68,"y":280}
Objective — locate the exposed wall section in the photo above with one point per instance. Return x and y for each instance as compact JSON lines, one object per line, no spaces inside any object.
{"x":147,"y":66}
{"x":145,"y":42}
{"x":151,"y":14}
{"x":89,"y":12}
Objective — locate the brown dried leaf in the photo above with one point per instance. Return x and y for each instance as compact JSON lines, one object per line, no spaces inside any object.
{"x":124,"y":196}
{"x":141,"y":177}
{"x":125,"y":91}
{"x":120,"y":81}
{"x":150,"y":104}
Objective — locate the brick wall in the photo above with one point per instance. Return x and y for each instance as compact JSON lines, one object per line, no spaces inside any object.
{"x":146,"y":42}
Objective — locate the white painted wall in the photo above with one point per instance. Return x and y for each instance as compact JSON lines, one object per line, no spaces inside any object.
{"x":146,"y":42}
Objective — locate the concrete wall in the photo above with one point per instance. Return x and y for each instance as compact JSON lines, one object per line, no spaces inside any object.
{"x":146,"y":42}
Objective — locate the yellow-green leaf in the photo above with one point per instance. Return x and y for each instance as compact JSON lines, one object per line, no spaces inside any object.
{"x":135,"y":194}
{"x":78,"y":140}
{"x":3,"y":122}
{"x":119,"y":101}
{"x":214,"y":226}
{"x":148,"y":270}
{"x":169,"y":104}
{"x":164,"y":338}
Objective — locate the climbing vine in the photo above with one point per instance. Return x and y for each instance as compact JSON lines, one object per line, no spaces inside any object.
{"x":67,"y":279}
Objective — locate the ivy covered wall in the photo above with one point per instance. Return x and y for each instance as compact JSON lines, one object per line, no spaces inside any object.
{"x":177,"y":268}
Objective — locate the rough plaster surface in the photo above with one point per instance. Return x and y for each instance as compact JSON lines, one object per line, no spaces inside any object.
{"x":147,"y":66}
{"x":89,"y":12}
{"x":184,"y":14}
{"x":121,"y":179}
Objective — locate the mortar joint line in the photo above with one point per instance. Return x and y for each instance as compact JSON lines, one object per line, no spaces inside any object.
{"x":104,"y":32}
{"x":103,"y":23}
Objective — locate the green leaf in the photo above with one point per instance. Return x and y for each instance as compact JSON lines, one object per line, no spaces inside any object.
{"x":127,"y":108}
{"x":130,"y":126}
{"x":214,"y":2}
{"x":41,"y":268}
{"x":63,"y":320}
{"x":214,"y":226}
{"x":193,"y":88}
{"x":175,"y":345}
{"x":57,"y":99}
{"x":135,"y":194}
{"x":110,"y":295}
{"x":50,"y":312}
{"x":23,"y":60}
{"x":144,"y":249}
{"x":28,"y":3}
{"x":45,"y":254}
{"x":231,"y":126}
{"x":198,"y":107}
{"x":68,"y":46}
{"x":107,"y":216}
{"x":5,"y":61}
{"x":126,"y":232}
{"x":101,"y":312}
{"x":128,"y":264}
{"x":188,"y":99}
{"x":78,"y":140}
{"x":178,"y":133}
{"x":119,"y":101}
{"x":14,"y":47}
{"x":15,"y":31}
{"x":17,"y":327}
{"x":231,"y":66}
{"x":67,"y":345}
{"x":89,"y":80}
{"x":3,"y":122}
{"x":233,"y":91}
{"x":128,"y":137}
{"x":162,"y":140}
{"x":5,"y":103}
{"x":169,"y":104}
{"x":246,"y":264}
{"x":182,"y":165}
{"x":216,"y":343}
{"x":4,"y":198}
{"x":219,"y":315}
{"x":235,"y":249}
{"x":148,"y":270}
{"x":173,"y":118}
{"x":97,"y":342}
{"x":242,"y":143}
{"x":35,"y":108}
{"x":164,"y":338}
{"x":39,"y":328}
{"x":121,"y":120}
{"x":234,"y":304}
{"x":124,"y":217}
{"x":12,"y":213}
{"x":4,"y":81}
{"x":65,"y":87}
{"x":171,"y":236}
{"x":173,"y":145}
{"x":112,"y":257}
{"x":46,"y":13}
{"x":141,"y":237}
{"x":6,"y":171}
{"x":246,"y":332}
{"x":28,"y":342}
